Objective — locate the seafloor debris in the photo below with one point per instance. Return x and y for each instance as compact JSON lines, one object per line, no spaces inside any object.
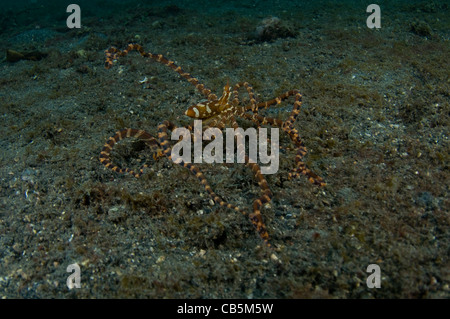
{"x":421,"y":28}
{"x":272,"y":28}
{"x":14,"y":56}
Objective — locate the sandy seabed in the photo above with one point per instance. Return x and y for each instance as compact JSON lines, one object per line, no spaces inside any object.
{"x":374,"y":119}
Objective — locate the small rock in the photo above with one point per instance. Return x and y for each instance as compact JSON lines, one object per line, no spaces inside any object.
{"x":421,"y":28}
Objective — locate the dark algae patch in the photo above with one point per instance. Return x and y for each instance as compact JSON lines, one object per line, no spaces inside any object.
{"x":374,"y":120}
